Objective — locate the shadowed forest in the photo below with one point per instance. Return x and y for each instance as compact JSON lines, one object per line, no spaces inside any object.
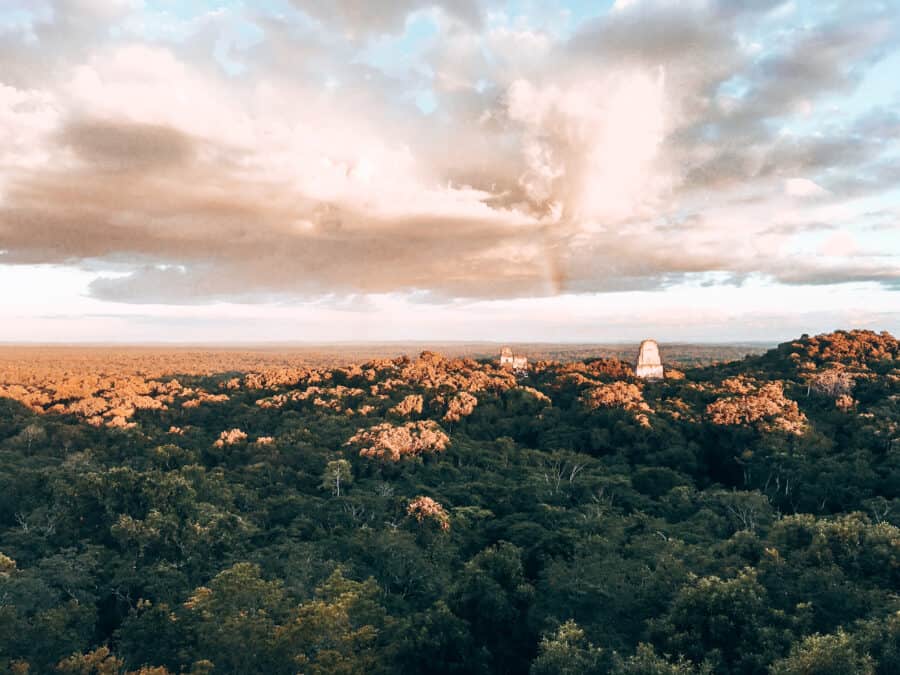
{"x":262,"y":512}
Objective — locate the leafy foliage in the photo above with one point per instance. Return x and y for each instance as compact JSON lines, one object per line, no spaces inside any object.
{"x":445,"y":516}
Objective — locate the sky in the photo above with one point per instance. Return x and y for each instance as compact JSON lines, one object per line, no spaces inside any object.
{"x":508,"y":170}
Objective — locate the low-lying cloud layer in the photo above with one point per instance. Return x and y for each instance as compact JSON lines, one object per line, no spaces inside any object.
{"x":447,"y":149}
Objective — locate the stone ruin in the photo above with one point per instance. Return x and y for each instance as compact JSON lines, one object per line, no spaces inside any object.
{"x":649,"y":366}
{"x":514,"y":362}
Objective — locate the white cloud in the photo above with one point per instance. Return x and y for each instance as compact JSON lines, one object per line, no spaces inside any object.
{"x":634,"y":155}
{"x":803,"y":187}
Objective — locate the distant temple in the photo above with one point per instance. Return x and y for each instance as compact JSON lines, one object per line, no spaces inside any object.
{"x":649,"y":366}
{"x":518,"y":364}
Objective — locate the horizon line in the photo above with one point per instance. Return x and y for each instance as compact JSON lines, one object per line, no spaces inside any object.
{"x":360,"y":343}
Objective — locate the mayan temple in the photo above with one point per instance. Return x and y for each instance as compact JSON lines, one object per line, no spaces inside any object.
{"x":649,"y":366}
{"x":515,"y":362}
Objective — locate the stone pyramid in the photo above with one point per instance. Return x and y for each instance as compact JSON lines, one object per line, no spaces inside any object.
{"x":648,"y":364}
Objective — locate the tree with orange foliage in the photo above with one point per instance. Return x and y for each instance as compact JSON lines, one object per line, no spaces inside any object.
{"x":619,"y":394}
{"x":230,"y":437}
{"x":425,"y":509}
{"x":386,"y":441}
{"x":410,"y":405}
{"x":461,"y":405}
{"x":765,"y":407}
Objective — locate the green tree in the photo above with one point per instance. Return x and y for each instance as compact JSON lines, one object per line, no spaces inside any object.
{"x":880,"y":638}
{"x":31,"y":434}
{"x":337,"y":476}
{"x":568,"y":652}
{"x":728,"y":621}
{"x":494,"y":596}
{"x":437,"y":642}
{"x":336,"y":632}
{"x":98,"y":662}
{"x":234,"y":619}
{"x":833,"y":654}
{"x":646,"y":661}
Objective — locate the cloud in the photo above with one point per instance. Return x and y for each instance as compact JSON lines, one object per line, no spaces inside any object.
{"x":822,"y":58}
{"x":118,"y":146}
{"x":803,"y":187}
{"x":589,"y":146}
{"x":826,"y":274}
{"x":361,"y":18}
{"x":659,"y":143}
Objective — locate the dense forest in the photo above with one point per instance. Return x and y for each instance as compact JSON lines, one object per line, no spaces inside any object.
{"x":445,"y":516}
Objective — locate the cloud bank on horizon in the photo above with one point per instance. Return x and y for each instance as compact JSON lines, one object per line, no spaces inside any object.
{"x":187,"y":153}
